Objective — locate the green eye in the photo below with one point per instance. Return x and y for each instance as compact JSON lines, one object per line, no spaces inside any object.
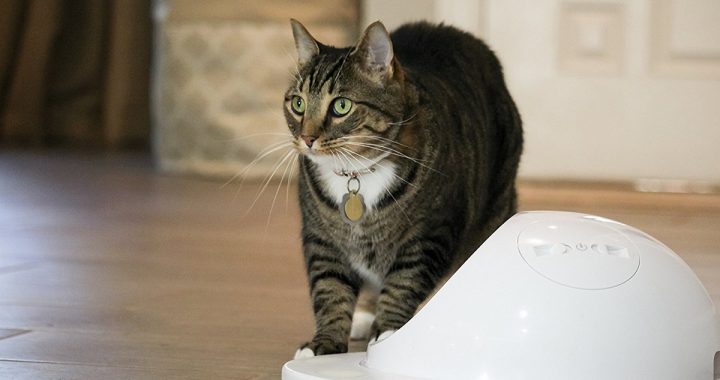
{"x":341,"y":106}
{"x":298,"y":105}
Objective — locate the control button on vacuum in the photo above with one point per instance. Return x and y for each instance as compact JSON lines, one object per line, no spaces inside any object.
{"x":551,"y":249}
{"x":611,"y":250}
{"x":617,"y":251}
{"x":599,"y":248}
{"x":559,"y":249}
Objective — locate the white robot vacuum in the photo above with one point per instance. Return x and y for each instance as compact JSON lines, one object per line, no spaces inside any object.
{"x":550,"y":295}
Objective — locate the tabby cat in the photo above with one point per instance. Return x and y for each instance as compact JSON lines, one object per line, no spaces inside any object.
{"x":409,"y":146}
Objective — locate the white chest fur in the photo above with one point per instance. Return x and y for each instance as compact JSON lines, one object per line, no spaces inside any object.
{"x":373,"y":186}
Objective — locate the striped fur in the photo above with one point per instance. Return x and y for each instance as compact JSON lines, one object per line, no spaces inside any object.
{"x":438,"y":112}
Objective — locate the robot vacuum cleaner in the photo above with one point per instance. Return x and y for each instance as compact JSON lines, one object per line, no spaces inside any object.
{"x":550,"y":295}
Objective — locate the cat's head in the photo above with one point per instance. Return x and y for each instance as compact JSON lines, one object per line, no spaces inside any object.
{"x":345,"y":104}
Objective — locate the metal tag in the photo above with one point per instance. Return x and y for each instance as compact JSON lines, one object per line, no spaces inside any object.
{"x":352,"y":207}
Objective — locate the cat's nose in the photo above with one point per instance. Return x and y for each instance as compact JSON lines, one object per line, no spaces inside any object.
{"x":309,"y":140}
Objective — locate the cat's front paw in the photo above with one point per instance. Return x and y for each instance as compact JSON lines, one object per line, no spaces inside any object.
{"x":303,"y":353}
{"x":320,"y":347}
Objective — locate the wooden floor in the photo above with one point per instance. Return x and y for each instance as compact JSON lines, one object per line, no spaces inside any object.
{"x":109,"y":270}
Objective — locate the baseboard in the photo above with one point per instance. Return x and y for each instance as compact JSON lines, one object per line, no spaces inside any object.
{"x":643,"y":185}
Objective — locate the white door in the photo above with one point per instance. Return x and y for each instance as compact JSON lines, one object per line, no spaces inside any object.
{"x":608,"y":90}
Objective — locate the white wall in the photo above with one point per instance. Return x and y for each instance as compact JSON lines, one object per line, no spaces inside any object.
{"x":608,"y":90}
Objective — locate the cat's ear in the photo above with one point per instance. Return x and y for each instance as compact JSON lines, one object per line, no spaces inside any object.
{"x":375,"y":51}
{"x":307,"y":47}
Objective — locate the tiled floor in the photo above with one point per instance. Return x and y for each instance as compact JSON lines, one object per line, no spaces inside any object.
{"x":111,"y":271}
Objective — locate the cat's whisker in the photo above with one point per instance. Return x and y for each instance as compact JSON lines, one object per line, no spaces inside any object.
{"x":294,"y":74}
{"x":401,"y":122}
{"x":401,"y":155}
{"x":377,"y":164}
{"x":268,"y":179}
{"x":353,"y":168}
{"x":382,"y":143}
{"x":295,"y":65}
{"x":293,"y":165}
{"x":395,"y":151}
{"x":380,"y":166}
{"x":335,"y":159}
{"x":338,"y":161}
{"x":282,"y":178}
{"x":275,"y":167}
{"x":384,"y":186}
{"x":347,"y":164}
{"x":345,"y":142}
{"x":385,"y":139}
{"x":360,"y":166}
{"x":264,"y":153}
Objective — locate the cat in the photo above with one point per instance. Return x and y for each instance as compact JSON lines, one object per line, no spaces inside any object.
{"x":409,"y":146}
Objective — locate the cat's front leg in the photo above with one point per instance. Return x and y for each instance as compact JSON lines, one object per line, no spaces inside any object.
{"x":414,"y":275}
{"x":333,"y":289}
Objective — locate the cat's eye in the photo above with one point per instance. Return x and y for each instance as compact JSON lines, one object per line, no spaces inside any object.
{"x":297,"y":104}
{"x":341,"y":106}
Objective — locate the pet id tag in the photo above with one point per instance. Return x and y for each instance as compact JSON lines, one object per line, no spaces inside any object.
{"x":352,"y":207}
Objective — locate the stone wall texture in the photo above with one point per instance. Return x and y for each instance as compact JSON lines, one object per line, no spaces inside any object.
{"x":222,"y":68}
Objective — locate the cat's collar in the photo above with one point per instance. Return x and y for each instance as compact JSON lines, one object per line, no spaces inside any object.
{"x":354,"y":173}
